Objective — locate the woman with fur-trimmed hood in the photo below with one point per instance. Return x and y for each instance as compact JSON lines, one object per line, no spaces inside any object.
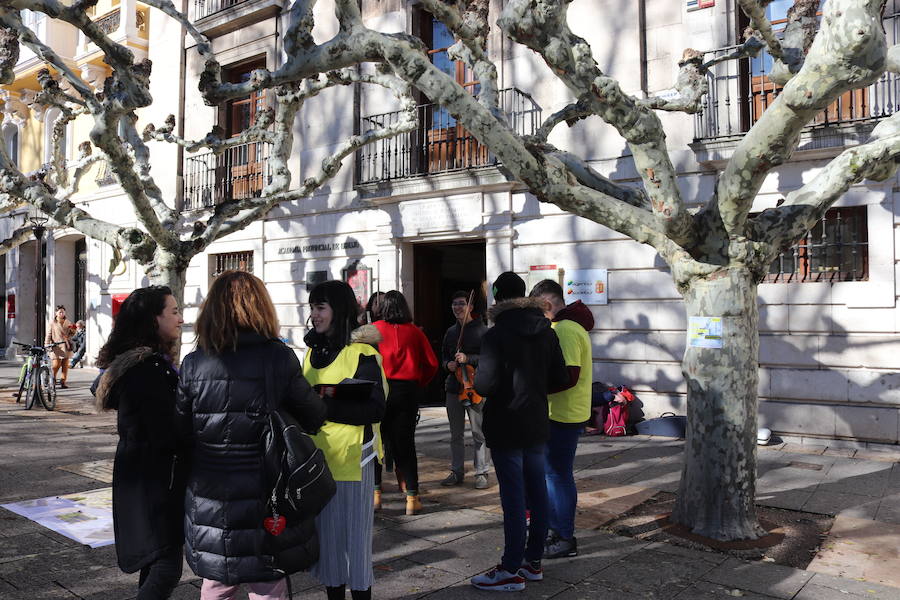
{"x":339,"y":350}
{"x":139,"y":382}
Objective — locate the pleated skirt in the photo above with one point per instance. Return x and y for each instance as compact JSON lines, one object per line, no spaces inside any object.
{"x":345,"y":532}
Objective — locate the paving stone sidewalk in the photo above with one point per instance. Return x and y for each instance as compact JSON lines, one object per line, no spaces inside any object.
{"x":459,"y":532}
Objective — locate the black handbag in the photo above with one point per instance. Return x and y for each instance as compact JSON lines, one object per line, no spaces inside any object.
{"x":667,"y":425}
{"x":300,"y":481}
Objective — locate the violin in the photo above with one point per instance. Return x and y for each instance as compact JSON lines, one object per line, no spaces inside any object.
{"x":465,"y":373}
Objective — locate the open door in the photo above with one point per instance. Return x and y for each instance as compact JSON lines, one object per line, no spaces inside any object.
{"x":440,"y":270}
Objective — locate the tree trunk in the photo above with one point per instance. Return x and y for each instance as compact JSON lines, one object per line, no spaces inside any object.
{"x":170,"y":270}
{"x":718,"y":483}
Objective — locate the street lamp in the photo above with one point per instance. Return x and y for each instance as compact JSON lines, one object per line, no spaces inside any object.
{"x":39,"y":227}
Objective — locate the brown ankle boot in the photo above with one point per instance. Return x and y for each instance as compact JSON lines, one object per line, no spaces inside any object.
{"x":413,"y":505}
{"x":377,"y":500}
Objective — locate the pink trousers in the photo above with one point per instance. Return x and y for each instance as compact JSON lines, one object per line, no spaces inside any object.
{"x":264,"y":590}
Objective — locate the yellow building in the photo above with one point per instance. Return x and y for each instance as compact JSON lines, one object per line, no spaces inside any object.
{"x":26,"y":127}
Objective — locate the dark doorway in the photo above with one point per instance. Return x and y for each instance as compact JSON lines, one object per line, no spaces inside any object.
{"x":440,"y":270}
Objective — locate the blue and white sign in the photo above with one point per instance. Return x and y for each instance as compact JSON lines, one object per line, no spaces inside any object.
{"x":588,"y":285}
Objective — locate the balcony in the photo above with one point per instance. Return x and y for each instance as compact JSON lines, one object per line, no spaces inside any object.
{"x":218,"y":17}
{"x":63,"y":38}
{"x":127,"y":24}
{"x":740,"y":91}
{"x":237,"y":173}
{"x":439,"y":144}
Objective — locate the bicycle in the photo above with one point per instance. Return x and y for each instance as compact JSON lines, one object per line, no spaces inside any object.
{"x":37,"y":381}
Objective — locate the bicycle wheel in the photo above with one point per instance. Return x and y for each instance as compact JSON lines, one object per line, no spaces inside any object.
{"x":31,"y":386}
{"x":47,"y":389}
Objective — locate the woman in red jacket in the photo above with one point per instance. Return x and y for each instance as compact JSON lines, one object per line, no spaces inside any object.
{"x":409,"y":364}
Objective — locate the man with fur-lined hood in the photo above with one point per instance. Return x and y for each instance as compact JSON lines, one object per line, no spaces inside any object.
{"x":520,"y":362}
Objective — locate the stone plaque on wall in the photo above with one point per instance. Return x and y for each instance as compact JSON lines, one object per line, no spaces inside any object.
{"x":461,"y":213}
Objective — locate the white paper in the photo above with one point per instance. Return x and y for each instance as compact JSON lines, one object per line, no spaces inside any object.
{"x":85,"y":517}
{"x":705,"y":332}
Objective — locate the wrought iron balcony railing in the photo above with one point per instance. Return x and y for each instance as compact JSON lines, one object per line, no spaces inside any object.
{"x":205,"y":8}
{"x":109,"y":23}
{"x":238,"y":172}
{"x":740,"y":91}
{"x":439,"y":143}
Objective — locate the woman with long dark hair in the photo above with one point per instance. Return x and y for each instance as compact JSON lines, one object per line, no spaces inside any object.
{"x":339,"y":349}
{"x":228,"y":385}
{"x":139,"y":382}
{"x":409,"y":364}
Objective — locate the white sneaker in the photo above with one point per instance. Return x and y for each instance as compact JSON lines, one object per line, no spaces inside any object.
{"x":531,"y":571}
{"x":499,"y":580}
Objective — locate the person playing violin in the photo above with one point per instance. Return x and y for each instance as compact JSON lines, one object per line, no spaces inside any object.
{"x":460,"y":349}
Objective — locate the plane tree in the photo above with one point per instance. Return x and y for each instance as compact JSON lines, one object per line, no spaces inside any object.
{"x":716,"y":250}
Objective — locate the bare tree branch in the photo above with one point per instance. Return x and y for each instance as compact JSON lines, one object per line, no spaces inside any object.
{"x":571,"y":114}
{"x":237,"y":215}
{"x":756,"y":12}
{"x":849,"y":52}
{"x":541,"y":25}
{"x":16,"y":239}
{"x":691,"y":86}
{"x":587,"y":176}
{"x":877,"y":159}
{"x":469,"y":22}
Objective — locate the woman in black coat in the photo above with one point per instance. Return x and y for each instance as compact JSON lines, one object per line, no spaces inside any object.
{"x":222,"y":404}
{"x":148,"y":483}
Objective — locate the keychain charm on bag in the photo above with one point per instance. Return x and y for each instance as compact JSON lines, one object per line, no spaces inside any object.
{"x":276,"y":523}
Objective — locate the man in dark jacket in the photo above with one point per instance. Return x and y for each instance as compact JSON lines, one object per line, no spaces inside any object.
{"x":520,"y":361}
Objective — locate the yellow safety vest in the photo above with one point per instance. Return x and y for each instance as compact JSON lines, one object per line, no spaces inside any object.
{"x":342,"y":444}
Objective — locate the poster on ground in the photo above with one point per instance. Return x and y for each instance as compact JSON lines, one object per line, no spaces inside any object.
{"x":85,"y":517}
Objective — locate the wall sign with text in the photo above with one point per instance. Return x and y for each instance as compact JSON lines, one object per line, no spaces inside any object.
{"x":588,"y":285}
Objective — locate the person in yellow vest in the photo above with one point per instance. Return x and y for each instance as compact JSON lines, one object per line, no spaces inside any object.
{"x":339,"y":349}
{"x":570,"y":407}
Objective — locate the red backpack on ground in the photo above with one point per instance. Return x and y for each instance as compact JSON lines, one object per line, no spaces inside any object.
{"x":617,"y":418}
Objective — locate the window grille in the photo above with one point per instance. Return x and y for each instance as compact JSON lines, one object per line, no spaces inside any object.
{"x":835,"y":249}
{"x":233,"y":261}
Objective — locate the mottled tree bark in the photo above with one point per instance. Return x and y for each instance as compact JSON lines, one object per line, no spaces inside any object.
{"x":717,"y":491}
{"x":717,"y":255}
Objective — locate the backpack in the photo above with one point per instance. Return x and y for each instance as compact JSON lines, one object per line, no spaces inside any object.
{"x":616,"y":422}
{"x":298,"y":481}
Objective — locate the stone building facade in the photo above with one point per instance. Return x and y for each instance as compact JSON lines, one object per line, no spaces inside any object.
{"x":431,"y":212}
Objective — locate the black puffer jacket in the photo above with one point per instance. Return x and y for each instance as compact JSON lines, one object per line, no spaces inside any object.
{"x":520,"y":360}
{"x":222,"y":409}
{"x":148,"y":478}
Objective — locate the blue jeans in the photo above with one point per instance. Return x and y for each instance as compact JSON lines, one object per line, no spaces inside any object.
{"x":520,"y":473}
{"x":561,"y":491}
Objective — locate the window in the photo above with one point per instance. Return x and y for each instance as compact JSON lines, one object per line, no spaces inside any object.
{"x":11,"y":142}
{"x":31,"y":19}
{"x":448,"y":144}
{"x":763,"y":91}
{"x":836,"y":249}
{"x":240,"y":113}
{"x":232,"y":261}
{"x":53,"y":115}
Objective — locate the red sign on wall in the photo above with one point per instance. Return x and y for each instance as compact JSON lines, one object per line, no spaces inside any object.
{"x":11,"y":306}
{"x":117,"y":300}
